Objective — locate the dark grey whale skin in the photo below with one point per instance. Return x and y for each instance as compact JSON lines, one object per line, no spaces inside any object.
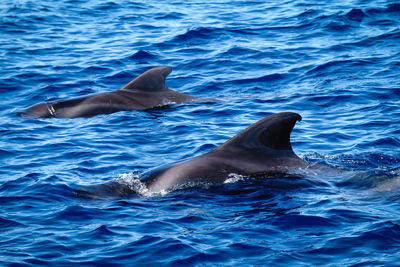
{"x":261,"y":149}
{"x":145,"y":92}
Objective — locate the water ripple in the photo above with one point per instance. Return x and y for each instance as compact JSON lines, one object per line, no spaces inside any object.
{"x":336,"y":64}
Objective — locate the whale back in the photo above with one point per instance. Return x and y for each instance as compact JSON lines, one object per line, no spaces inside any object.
{"x":271,"y":134}
{"x":152,"y":80}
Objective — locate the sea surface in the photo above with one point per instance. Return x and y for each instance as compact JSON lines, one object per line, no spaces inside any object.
{"x":337,"y":63}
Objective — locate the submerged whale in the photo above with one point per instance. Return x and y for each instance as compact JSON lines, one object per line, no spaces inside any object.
{"x":145,"y":92}
{"x":264,"y":148}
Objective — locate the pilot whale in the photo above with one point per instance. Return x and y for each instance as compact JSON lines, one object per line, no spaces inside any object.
{"x":145,"y":92}
{"x":262,"y":149}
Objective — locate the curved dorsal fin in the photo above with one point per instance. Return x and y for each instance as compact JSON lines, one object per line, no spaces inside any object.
{"x":272,"y":132}
{"x":151,"y":80}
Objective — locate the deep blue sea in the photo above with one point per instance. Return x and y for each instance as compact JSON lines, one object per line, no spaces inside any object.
{"x":337,"y":63}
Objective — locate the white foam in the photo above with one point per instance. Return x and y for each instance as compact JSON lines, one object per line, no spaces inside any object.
{"x":234,"y":178}
{"x":132,"y":180}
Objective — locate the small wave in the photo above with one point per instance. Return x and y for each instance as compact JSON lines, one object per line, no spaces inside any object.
{"x":391,"y":8}
{"x":389,"y":38}
{"x":119,"y":75}
{"x":356,"y":15}
{"x":75,"y":213}
{"x":117,"y":79}
{"x":95,"y":69}
{"x":141,"y":54}
{"x":195,"y":33}
{"x":108,"y":6}
{"x":266,"y":78}
{"x":170,"y":16}
{"x":338,"y":27}
{"x":384,"y":142}
{"x":196,"y":36}
{"x":303,"y":221}
{"x":240,"y":51}
{"x":336,"y":64}
{"x":373,"y":241}
{"x":5,"y":223}
{"x":102,"y":232}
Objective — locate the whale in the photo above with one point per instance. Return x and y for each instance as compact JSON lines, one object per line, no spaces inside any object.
{"x":147,"y":91}
{"x":263,"y":149}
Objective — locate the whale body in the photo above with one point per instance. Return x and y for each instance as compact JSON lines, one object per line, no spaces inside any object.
{"x":262,"y":149}
{"x":145,"y":92}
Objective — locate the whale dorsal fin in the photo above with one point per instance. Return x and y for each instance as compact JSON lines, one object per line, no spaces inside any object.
{"x":272,"y":132}
{"x":151,"y":80}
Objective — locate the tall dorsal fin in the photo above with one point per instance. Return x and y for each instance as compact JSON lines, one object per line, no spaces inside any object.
{"x":272,"y":132}
{"x":151,"y":80}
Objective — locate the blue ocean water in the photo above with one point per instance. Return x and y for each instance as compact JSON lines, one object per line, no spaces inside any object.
{"x":337,"y":63}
